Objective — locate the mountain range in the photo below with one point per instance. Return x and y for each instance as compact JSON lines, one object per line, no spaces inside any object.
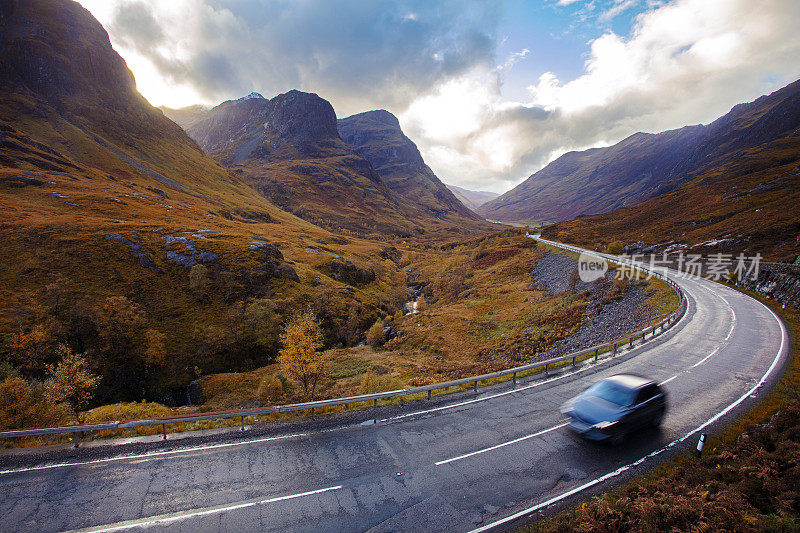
{"x":731,"y":183}
{"x":472,"y":199}
{"x":360,"y":174}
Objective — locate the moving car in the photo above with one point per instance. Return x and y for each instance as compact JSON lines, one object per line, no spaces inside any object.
{"x":616,"y":406}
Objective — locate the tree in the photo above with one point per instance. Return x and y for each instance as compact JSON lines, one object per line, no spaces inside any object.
{"x":375,"y":335}
{"x":71,"y":381}
{"x":156,"y":352}
{"x":198,"y":281}
{"x":616,"y":247}
{"x":16,"y":403}
{"x":300,"y":358}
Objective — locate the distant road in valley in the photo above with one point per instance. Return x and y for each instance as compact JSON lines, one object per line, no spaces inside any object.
{"x":467,"y":462}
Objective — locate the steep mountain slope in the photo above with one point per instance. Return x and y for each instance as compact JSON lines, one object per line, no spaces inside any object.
{"x":742,"y":196}
{"x":126,"y":242}
{"x":377,"y":137}
{"x":471,"y":199}
{"x":289,"y":149}
{"x":644,"y":166}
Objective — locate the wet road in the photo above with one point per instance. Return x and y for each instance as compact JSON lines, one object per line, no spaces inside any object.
{"x":477,"y":461}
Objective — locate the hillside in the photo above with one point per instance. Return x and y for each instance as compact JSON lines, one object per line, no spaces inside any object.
{"x":644,"y":166}
{"x":376,"y":136}
{"x":743,"y":195}
{"x":472,"y":199}
{"x":132,"y":246}
{"x":289,"y":149}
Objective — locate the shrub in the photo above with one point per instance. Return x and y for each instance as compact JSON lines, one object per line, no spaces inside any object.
{"x":375,"y":335}
{"x":16,"y":403}
{"x":616,"y":247}
{"x":269,"y":390}
{"x":126,"y":411}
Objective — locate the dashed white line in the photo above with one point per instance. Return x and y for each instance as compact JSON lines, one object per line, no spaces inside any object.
{"x":176,"y":517}
{"x":668,"y":380}
{"x":526,"y":437}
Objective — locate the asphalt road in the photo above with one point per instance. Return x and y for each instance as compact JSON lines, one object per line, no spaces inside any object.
{"x":475,"y":461}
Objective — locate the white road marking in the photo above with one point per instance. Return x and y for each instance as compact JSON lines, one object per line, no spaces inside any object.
{"x":150,"y":455}
{"x":668,"y":380}
{"x":538,"y":433}
{"x":176,"y":517}
{"x":654,"y":453}
{"x":706,"y":358}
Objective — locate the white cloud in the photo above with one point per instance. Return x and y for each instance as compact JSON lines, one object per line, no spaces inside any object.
{"x":685,"y":62}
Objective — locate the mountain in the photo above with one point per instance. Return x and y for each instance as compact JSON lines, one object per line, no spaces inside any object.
{"x":642,"y":166}
{"x":471,"y":199}
{"x":376,"y":136}
{"x":129,"y":244}
{"x":739,"y":193}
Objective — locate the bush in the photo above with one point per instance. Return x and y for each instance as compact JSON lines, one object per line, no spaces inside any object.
{"x":375,"y":335}
{"x":269,"y":390}
{"x":616,"y":247}
{"x":16,"y":403}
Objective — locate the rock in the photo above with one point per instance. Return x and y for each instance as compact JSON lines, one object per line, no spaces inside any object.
{"x":186,"y":261}
{"x":391,"y":253}
{"x":347,"y":272}
{"x":194,"y":395}
{"x":208,"y":257}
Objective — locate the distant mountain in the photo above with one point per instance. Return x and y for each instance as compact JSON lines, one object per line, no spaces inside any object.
{"x":289,"y":148}
{"x":642,"y":166}
{"x":377,"y":137}
{"x":739,"y":189}
{"x":472,"y":199}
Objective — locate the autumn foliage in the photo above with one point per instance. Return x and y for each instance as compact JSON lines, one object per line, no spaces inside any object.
{"x":301,"y":358}
{"x":72,"y":381}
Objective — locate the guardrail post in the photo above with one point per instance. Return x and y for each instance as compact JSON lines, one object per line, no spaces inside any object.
{"x":596,"y":352}
{"x":615,"y":348}
{"x":375,"y":402}
{"x":546,"y":369}
{"x":312,"y":413}
{"x":164,"y":431}
{"x":573,"y":361}
{"x":515,"y":378}
{"x":429,"y":395}
{"x":76,"y":438}
{"x":631,"y":344}
{"x":242,"y":422}
{"x":476,"y":386}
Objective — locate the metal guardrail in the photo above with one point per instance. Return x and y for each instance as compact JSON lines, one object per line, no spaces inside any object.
{"x":592,"y":352}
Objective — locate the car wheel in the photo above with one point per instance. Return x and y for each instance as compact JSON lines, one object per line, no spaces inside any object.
{"x":658,"y":419}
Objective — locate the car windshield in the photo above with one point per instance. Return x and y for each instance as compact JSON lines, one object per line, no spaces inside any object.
{"x":611,"y":392}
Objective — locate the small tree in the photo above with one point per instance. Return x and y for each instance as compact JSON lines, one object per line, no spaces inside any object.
{"x":198,"y":281}
{"x":71,"y":381}
{"x":301,"y":358}
{"x":375,"y":335}
{"x":16,"y":403}
{"x":616,"y":247}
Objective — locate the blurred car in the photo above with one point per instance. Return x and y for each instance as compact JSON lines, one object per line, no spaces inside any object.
{"x":616,"y":406}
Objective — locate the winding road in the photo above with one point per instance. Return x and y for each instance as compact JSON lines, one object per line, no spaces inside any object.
{"x":469,"y":462}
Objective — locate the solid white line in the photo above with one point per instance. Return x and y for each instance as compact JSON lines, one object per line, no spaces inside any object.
{"x":622,"y":469}
{"x":166,"y":519}
{"x":538,"y":433}
{"x":151,"y":454}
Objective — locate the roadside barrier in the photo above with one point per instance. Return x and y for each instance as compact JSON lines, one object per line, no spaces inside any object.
{"x":544,"y":365}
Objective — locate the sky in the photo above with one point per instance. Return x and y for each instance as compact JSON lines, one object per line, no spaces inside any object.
{"x":489,"y":91}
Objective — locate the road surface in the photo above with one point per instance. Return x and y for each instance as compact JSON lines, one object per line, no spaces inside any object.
{"x":474,"y":461}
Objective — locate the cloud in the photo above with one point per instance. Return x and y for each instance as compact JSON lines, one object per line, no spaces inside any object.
{"x":685,"y":62}
{"x":357,"y":54}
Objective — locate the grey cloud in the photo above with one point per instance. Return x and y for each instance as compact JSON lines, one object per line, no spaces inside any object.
{"x":358,"y":54}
